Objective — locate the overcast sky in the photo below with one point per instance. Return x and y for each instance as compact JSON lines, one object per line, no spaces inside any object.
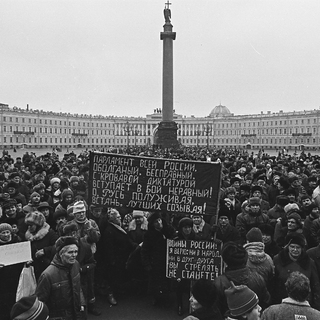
{"x":105,"y":57}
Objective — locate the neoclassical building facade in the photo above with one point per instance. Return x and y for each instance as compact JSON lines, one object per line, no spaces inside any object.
{"x":221,"y":128}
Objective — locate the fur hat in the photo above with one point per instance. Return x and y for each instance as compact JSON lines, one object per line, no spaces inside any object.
{"x":204,"y":292}
{"x":29,"y":308}
{"x":240,"y":299}
{"x":291,"y":207}
{"x":185,"y":221}
{"x":36,"y":218}
{"x":59,"y":213}
{"x":43,"y":205}
{"x":266,"y":229}
{"x":254,"y":200}
{"x":74,"y":179}
{"x":254,"y":235}
{"x":54,"y":180}
{"x":69,"y":227}
{"x":295,"y":238}
{"x":9,"y":203}
{"x":153,"y":217}
{"x":5,"y":226}
{"x":39,"y":186}
{"x":234,"y":255}
{"x":256,"y":188}
{"x":12,"y":184}
{"x":65,"y":241}
{"x":230,"y":190}
{"x":137,"y":213}
{"x":282,"y":200}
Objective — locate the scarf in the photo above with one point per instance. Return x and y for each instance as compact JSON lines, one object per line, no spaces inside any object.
{"x":198,"y":228}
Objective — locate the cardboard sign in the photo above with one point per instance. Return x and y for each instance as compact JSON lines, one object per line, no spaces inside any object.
{"x":192,"y":259}
{"x":15,"y":253}
{"x":154,"y":184}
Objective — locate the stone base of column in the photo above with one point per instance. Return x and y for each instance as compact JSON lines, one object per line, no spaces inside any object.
{"x":167,"y":135}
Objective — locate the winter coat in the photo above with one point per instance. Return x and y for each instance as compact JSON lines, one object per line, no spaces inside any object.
{"x":259,"y":261}
{"x":314,"y":229}
{"x":203,"y":231}
{"x":9,"y":278}
{"x":272,"y":249}
{"x":45,"y":239}
{"x":153,"y":255}
{"x":59,"y":288}
{"x":230,"y":233}
{"x":314,"y":254}
{"x":284,"y":266}
{"x":291,"y":309}
{"x":240,"y":276}
{"x":274,"y":213}
{"x":247,"y":220}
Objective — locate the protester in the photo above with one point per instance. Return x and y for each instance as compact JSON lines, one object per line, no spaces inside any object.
{"x":29,"y":308}
{"x":202,"y":301}
{"x":64,"y":273}
{"x":243,"y":303}
{"x":296,"y":306}
{"x":202,"y":229}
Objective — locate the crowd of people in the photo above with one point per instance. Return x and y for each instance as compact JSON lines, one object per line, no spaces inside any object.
{"x":268,"y":221}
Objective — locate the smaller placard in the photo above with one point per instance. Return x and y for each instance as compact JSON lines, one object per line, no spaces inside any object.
{"x":193,"y":259}
{"x":15,"y":253}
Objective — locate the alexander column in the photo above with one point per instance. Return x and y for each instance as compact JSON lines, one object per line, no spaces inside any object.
{"x":167,"y":130}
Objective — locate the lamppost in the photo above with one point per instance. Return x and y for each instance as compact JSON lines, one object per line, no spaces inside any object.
{"x":135,"y":132}
{"x":198,"y":132}
{"x":207,"y":129}
{"x":127,"y":128}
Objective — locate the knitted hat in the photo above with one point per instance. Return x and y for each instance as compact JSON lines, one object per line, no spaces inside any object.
{"x":78,"y":207}
{"x":296,"y":216}
{"x":65,"y":193}
{"x":266,"y":229}
{"x":234,"y":255}
{"x":35,"y":217}
{"x":74,"y":179}
{"x":254,"y":201}
{"x":240,"y":299}
{"x":29,"y":308}
{"x":205,"y":292}
{"x":54,"y":180}
{"x":137,"y":213}
{"x":295,"y":238}
{"x":5,"y":226}
{"x":186,"y":221}
{"x":65,"y":241}
{"x":34,"y":194}
{"x":254,"y":235}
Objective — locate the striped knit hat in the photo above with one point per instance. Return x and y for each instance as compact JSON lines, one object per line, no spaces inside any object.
{"x":29,"y":308}
{"x":240,"y":299}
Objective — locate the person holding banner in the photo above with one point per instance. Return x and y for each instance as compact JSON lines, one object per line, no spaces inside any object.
{"x":9,"y":275}
{"x":153,"y":254}
{"x":185,"y":232}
